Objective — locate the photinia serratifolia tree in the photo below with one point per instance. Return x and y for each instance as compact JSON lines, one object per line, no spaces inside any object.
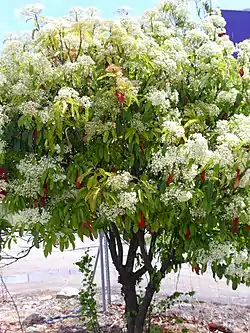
{"x":137,"y":127}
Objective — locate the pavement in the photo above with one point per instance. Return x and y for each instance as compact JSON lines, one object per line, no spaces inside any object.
{"x":37,"y":273}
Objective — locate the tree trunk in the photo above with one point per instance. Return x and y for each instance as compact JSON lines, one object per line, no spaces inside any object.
{"x":143,"y":309}
{"x":131,"y":308}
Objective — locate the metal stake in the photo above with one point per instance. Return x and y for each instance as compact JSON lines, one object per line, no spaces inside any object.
{"x":104,"y":305}
{"x":106,"y":252}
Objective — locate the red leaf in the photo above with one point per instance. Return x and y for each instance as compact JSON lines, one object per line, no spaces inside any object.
{"x":113,"y":170}
{"x":188,"y":233}
{"x":235,"y":225}
{"x":88,"y":226}
{"x":203,"y":175}
{"x":43,"y":200}
{"x":196,"y":269}
{"x":248,"y":227}
{"x":221,"y":34}
{"x":170,"y":179}
{"x":141,"y":223}
{"x":241,"y":72}
{"x":121,"y":97}
{"x":35,"y":136}
{"x":46,"y":188}
{"x":77,"y":182}
{"x":35,"y":203}
{"x":3,"y":174}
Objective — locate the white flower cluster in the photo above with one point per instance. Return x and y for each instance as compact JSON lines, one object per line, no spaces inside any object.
{"x":174,"y":128}
{"x":30,"y":216}
{"x":197,"y":149}
{"x":121,"y":180}
{"x":217,"y":252}
{"x":127,"y":201}
{"x":209,"y":50}
{"x":31,"y":171}
{"x":167,"y":163}
{"x":137,"y":124}
{"x":174,"y":195}
{"x":4,"y":119}
{"x":93,"y":128}
{"x":32,"y":10}
{"x":86,"y":102}
{"x":227,"y":97}
{"x":66,"y":93}
{"x":235,"y":208}
{"x":29,"y":108}
{"x":162,"y":98}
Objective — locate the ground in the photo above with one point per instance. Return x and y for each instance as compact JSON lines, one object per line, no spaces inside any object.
{"x":63,"y":315}
{"x":34,"y":281}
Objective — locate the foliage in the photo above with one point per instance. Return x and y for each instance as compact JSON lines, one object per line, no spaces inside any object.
{"x":138,"y":127}
{"x":87,"y":293}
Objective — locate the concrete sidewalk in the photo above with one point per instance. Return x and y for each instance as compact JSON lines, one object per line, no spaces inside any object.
{"x":58,"y":270}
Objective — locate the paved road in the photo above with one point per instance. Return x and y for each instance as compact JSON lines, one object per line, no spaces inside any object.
{"x":58,"y":270}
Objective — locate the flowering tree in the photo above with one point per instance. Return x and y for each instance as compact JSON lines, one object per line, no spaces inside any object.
{"x":137,"y":127}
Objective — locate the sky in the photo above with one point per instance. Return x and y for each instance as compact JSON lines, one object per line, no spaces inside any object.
{"x":10,"y":22}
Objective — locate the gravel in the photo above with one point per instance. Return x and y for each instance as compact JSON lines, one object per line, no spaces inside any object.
{"x":62,"y":316}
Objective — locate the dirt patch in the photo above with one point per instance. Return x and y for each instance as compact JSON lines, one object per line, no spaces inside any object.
{"x":62,"y":316}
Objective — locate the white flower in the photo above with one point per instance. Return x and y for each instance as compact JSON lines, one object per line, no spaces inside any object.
{"x":158,"y":97}
{"x":197,"y":148}
{"x":209,"y":50}
{"x":227,"y":97}
{"x":174,"y":128}
{"x":65,"y":93}
{"x":86,"y":102}
{"x":245,"y":180}
{"x":230,"y":139}
{"x":121,"y":180}
{"x":183,"y":196}
{"x":32,"y":215}
{"x":32,"y":10}
{"x":128,"y":200}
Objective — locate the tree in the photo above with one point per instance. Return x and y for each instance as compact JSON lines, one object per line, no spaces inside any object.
{"x":137,"y":127}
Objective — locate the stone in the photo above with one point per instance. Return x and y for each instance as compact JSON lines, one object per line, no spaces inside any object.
{"x":45,"y":298}
{"x":34,"y":319}
{"x":67,"y":292}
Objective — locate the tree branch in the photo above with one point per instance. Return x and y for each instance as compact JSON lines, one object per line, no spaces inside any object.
{"x":133,"y":246}
{"x":119,"y":243}
{"x":145,"y":256}
{"x":15,"y":259}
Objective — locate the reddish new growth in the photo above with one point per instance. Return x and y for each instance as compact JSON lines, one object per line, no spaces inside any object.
{"x":121,"y":97}
{"x":188,"y":233}
{"x":3,"y":177}
{"x":141,"y":223}
{"x":170,"y":179}
{"x":203,"y":175}
{"x":241,"y":72}
{"x":235,"y":225}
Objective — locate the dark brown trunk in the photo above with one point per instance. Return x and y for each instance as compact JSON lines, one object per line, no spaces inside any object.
{"x":143,"y":309}
{"x":131,"y":305}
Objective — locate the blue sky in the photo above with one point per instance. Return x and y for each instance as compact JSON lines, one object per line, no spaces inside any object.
{"x":10,"y":23}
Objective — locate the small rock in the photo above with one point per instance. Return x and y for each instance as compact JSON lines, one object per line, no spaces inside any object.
{"x":45,"y":298}
{"x":34,"y":319}
{"x":67,"y":292}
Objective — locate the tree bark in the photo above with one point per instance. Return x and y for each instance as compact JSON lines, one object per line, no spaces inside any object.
{"x":131,"y":305}
{"x":143,"y":309}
